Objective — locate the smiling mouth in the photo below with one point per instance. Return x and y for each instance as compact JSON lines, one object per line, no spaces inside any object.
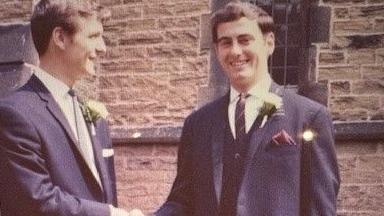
{"x":239,"y":64}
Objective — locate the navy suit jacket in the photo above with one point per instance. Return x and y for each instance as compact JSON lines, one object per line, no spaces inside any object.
{"x":271,"y":183}
{"x":42,"y":170}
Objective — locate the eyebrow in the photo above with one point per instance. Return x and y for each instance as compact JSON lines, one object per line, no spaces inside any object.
{"x":238,"y":36}
{"x":223,"y":38}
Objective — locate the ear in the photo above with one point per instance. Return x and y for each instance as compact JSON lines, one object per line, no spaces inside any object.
{"x":59,"y":37}
{"x":270,"y":42}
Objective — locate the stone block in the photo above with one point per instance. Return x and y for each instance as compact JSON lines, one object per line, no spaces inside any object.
{"x":349,"y":150}
{"x":373,"y":11}
{"x":377,"y":115}
{"x":380,"y":56}
{"x":192,"y":8}
{"x":355,"y":102}
{"x":172,"y":51}
{"x":326,"y":58}
{"x":340,"y":42}
{"x":119,"y":12}
{"x":361,"y":56}
{"x":108,"y":96}
{"x":158,"y":10}
{"x":167,"y":65}
{"x":128,"y":151}
{"x":142,"y":38}
{"x":110,"y":2}
{"x":16,"y":44}
{"x":340,"y":87}
{"x":343,"y":2}
{"x":151,"y":163}
{"x":15,"y":11}
{"x":341,"y":13}
{"x":339,"y":73}
{"x":190,"y":37}
{"x":379,"y":25}
{"x":371,"y":86}
{"x":132,"y":1}
{"x":362,"y":198}
{"x":373,"y":72}
{"x":348,"y":115}
{"x":376,"y":1}
{"x":124,"y":52}
{"x":352,"y":27}
{"x":366,"y":41}
{"x":179,"y":22}
{"x":134,"y":66}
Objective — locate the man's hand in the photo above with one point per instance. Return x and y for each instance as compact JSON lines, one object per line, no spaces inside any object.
{"x":136,"y":212}
{"x":122,"y":212}
{"x":118,"y":211}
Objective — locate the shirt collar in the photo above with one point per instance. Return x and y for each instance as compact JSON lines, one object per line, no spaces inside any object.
{"x":259,"y":90}
{"x":57,"y":88}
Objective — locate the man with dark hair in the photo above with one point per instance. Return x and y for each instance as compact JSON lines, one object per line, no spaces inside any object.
{"x":242,"y":154}
{"x":56,"y":156}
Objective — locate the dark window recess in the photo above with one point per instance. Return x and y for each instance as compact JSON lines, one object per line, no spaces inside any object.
{"x":284,"y":63}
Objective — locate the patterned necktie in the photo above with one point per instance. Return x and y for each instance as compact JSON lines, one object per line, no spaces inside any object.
{"x":240,"y":117}
{"x":84,"y":146}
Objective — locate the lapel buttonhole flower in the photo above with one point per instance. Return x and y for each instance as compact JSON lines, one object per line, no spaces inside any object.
{"x":272,"y":103}
{"x":94,"y":110}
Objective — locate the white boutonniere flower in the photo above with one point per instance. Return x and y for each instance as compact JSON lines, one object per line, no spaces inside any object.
{"x":272,"y":103}
{"x":93,"y":110}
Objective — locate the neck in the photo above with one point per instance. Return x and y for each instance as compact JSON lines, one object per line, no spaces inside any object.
{"x":55,"y":67}
{"x":262,"y":79}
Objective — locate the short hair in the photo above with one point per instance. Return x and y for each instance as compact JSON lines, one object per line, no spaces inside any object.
{"x":49,"y":14}
{"x":235,"y":10}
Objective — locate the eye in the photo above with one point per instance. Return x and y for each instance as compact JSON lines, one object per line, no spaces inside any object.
{"x":94,"y":36}
{"x":225,"y":42}
{"x":245,"y":39}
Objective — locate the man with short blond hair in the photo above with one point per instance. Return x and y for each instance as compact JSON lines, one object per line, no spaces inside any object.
{"x":56,"y":156}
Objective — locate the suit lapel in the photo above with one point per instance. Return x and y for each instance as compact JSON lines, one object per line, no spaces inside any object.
{"x":57,"y":113}
{"x":220,"y":122}
{"x":270,"y":128}
{"x":52,"y":106}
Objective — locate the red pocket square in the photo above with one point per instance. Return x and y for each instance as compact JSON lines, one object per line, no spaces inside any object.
{"x":283,"y":138}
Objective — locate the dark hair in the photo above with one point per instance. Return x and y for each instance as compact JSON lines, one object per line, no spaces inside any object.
{"x":236,"y":10}
{"x":49,"y":14}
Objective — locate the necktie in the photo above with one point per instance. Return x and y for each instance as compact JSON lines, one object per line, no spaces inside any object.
{"x":84,"y":145}
{"x":240,"y":117}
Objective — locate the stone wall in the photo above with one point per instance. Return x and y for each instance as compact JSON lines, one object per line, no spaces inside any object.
{"x":155,"y":71}
{"x":154,"y":68}
{"x":352,"y":63}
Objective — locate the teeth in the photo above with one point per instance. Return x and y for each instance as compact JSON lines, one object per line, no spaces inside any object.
{"x":238,"y":63}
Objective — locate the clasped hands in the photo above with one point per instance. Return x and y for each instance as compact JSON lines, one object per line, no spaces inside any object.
{"x":122,"y":212}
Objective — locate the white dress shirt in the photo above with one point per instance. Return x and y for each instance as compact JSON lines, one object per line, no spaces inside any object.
{"x":253,"y":103}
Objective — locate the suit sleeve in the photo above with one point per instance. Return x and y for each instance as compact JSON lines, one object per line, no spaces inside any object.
{"x":180,"y":199}
{"x":24,"y":169}
{"x":325,"y":174}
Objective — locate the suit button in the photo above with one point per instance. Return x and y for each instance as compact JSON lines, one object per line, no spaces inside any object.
{"x":237,"y":156}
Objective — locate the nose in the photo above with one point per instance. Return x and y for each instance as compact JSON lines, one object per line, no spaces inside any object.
{"x":101,"y":48}
{"x":236,"y":49}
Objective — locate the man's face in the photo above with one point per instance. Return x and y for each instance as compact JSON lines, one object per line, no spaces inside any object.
{"x":243,"y":52}
{"x":84,"y":46}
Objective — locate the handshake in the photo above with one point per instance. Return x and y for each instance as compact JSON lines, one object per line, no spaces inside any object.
{"x":121,"y":212}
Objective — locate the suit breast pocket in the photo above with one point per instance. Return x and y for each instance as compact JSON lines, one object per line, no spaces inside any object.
{"x":282,"y":150}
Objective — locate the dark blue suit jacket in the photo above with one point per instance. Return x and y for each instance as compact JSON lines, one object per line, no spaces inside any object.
{"x":42,"y":170}
{"x":271,"y":184}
